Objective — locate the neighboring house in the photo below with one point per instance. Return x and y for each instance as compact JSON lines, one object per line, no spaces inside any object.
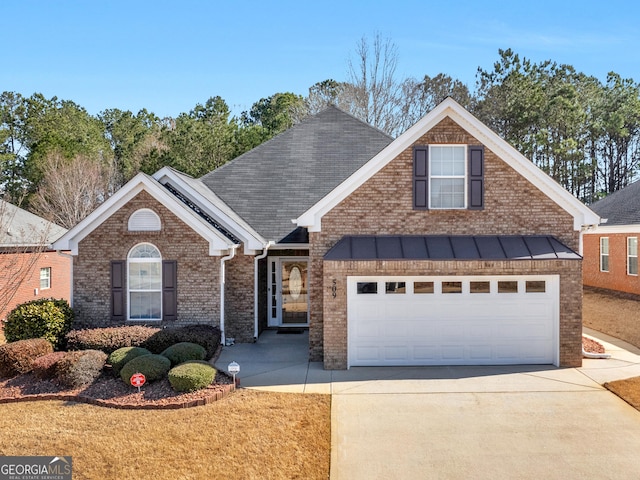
{"x":442,"y":247}
{"x":611,"y":248}
{"x":29,"y":268}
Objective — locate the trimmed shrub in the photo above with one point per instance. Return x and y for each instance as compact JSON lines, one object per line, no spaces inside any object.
{"x":80,"y":368}
{"x":191,"y":376}
{"x":183,"y":352}
{"x":122,"y":356}
{"x":109,"y":339}
{"x":43,"y":318}
{"x":153,"y":367}
{"x":45,"y":367}
{"x":17,"y":357}
{"x":205,"y":335}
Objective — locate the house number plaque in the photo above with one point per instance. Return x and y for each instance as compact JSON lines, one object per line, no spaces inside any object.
{"x":334,"y":288}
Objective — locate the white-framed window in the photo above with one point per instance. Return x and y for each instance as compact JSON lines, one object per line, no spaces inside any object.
{"x":45,"y":278}
{"x":447,"y":176}
{"x":604,"y":254}
{"x":144,"y":275}
{"x":632,"y":255}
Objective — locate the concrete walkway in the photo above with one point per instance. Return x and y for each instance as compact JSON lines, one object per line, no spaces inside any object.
{"x":462,"y":422}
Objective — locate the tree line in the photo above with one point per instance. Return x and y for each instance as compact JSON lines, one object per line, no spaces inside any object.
{"x":61,"y":162}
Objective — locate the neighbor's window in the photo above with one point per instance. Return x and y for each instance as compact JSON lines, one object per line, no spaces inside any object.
{"x":632,"y":255}
{"x":45,"y":278}
{"x":145,"y":282}
{"x":447,"y":176}
{"x":604,"y":254}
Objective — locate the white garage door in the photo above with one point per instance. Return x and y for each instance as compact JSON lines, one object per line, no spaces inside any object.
{"x":453,"y":320}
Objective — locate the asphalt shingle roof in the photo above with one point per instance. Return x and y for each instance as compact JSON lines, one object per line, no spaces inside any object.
{"x":19,"y":228}
{"x":621,"y":207}
{"x":285,"y":176}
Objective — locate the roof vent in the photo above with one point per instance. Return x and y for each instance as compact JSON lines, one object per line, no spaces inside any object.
{"x":144,"y":220}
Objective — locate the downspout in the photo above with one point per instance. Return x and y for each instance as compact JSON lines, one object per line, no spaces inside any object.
{"x":222,"y":281}
{"x":255,"y":287}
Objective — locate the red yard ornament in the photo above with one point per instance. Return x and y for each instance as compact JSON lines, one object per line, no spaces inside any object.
{"x":137,"y":380}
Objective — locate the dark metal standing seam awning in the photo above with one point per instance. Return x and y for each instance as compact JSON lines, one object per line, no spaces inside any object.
{"x":443,"y":247}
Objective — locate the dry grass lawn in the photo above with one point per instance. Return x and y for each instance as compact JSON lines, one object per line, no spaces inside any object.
{"x":615,"y":315}
{"x":248,"y":435}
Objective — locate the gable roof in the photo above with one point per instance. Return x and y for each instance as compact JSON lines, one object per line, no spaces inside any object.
{"x":283,"y":177}
{"x":219,"y":242}
{"x":20,"y":228}
{"x":195,"y":192}
{"x":450,"y":108}
{"x":621,"y":207}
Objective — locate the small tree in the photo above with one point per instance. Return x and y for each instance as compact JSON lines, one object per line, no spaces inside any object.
{"x":72,"y":189}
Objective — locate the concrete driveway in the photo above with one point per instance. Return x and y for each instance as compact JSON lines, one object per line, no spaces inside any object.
{"x":465,"y":422}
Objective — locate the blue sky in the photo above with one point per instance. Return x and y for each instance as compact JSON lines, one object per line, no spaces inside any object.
{"x":167,"y":56}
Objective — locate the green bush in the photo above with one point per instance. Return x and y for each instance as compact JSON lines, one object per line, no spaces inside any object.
{"x":18,"y":357}
{"x":45,"y":367}
{"x":205,"y":335}
{"x":183,"y":352}
{"x":80,"y":368}
{"x":122,"y":356}
{"x":153,"y":367}
{"x":109,"y":339}
{"x":191,"y":376}
{"x":43,"y":318}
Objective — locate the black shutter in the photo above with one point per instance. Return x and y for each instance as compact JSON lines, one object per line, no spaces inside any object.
{"x":118,"y":290}
{"x":169,"y":290}
{"x":476,"y":177}
{"x":421,"y":178}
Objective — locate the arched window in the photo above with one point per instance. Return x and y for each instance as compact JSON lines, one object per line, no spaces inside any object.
{"x":145,"y":282}
{"x":144,"y":220}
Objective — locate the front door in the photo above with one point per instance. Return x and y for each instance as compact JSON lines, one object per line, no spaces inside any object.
{"x":288,"y":291}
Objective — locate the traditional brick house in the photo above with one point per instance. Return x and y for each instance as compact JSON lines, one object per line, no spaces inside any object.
{"x":611,"y":248}
{"x":29,"y":268}
{"x":444,"y":246}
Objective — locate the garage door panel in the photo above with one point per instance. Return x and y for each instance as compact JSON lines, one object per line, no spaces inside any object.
{"x":453,"y":329}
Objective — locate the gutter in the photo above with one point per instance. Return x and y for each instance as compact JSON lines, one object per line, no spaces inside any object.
{"x":222,"y":282}
{"x":255,"y":287}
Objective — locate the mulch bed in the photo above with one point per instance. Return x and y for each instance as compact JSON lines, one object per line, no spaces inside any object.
{"x":591,"y":346}
{"x":109,"y":391}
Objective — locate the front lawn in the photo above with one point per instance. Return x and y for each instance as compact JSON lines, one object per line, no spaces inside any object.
{"x":249,"y":434}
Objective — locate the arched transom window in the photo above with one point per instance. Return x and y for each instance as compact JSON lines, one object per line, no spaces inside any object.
{"x":144,"y":220}
{"x":145,"y":282}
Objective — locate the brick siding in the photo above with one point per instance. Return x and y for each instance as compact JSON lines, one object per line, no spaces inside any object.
{"x":383,"y":205}
{"x":198,"y":273}
{"x":29,"y":289}
{"x":616,"y":278}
